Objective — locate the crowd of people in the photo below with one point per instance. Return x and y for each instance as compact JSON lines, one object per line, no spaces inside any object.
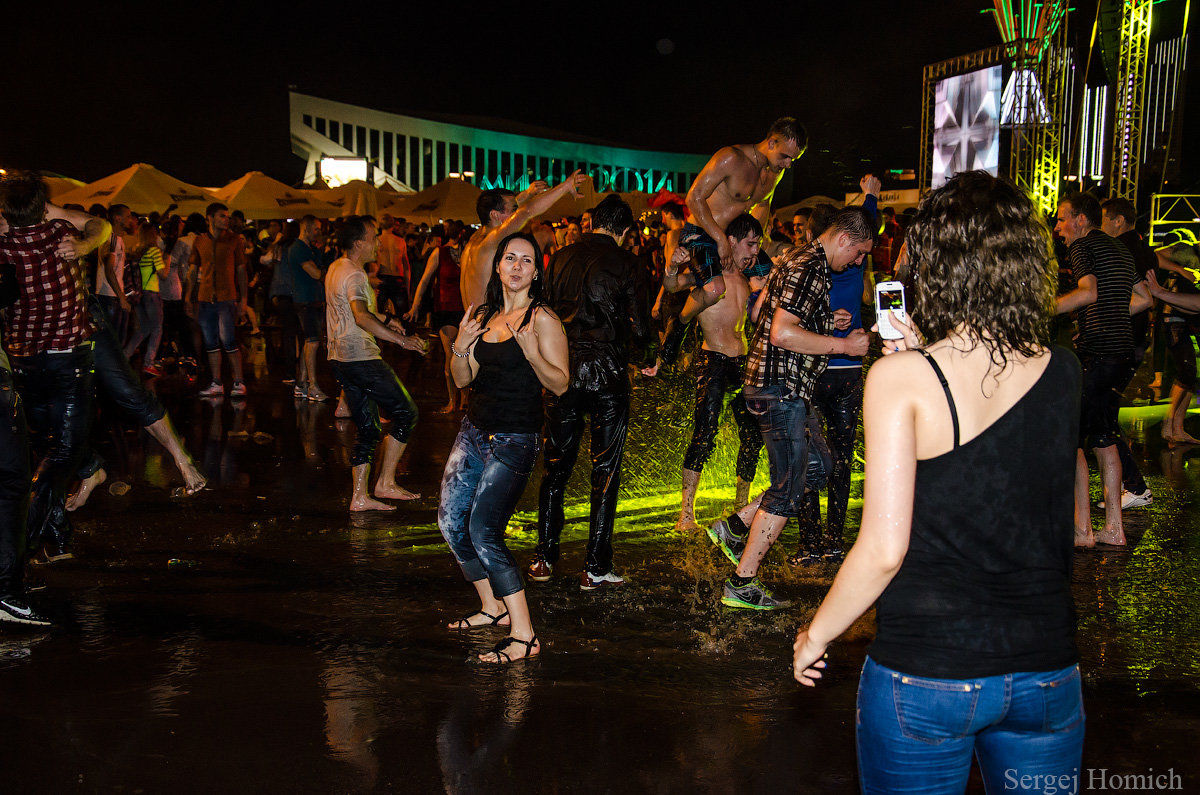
{"x":543,"y":327}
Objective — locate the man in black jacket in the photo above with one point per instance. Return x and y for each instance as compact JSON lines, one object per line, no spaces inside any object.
{"x":597,"y":289}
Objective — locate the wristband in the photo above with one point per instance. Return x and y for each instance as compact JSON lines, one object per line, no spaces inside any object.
{"x":458,"y":355}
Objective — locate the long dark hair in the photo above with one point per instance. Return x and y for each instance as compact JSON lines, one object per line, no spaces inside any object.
{"x":494,"y":300}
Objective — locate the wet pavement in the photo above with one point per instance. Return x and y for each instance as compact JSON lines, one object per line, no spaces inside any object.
{"x":259,"y":638}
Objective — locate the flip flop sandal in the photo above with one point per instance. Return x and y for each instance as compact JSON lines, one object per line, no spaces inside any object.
{"x":465,"y":621}
{"x":499,"y":648}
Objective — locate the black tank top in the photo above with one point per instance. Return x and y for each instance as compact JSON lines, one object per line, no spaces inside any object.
{"x":506,"y":395}
{"x":985,"y":588}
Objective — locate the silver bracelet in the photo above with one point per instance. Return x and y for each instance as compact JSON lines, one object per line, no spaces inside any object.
{"x":458,"y":355}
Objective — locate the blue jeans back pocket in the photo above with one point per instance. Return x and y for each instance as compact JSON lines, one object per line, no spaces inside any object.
{"x":934,"y":710}
{"x":1062,"y":698}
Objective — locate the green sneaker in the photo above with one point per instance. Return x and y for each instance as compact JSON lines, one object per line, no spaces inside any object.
{"x":732,"y":545}
{"x":751,"y":596}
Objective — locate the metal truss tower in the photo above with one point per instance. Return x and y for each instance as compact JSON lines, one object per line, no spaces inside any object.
{"x":1131,"y":92}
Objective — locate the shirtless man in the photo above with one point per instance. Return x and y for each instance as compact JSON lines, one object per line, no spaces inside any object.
{"x":737,"y":179}
{"x":719,"y":367}
{"x":501,"y":213}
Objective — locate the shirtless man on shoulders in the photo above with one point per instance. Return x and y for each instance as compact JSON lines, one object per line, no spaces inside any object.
{"x":719,"y":367}
{"x":736,"y":180}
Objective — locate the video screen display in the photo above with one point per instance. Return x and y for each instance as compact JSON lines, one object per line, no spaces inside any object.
{"x":966,"y":124}
{"x":890,"y":299}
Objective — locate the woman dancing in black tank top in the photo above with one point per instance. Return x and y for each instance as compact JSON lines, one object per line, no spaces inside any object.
{"x":508,"y":350}
{"x":967,"y":527}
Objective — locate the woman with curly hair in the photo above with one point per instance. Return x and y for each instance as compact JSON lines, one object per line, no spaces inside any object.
{"x":967,"y":527}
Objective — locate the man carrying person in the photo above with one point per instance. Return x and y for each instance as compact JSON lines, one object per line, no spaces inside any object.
{"x":47,"y":334}
{"x":218,"y":264}
{"x":791,"y":346}
{"x":596,"y":287}
{"x":737,"y":179}
{"x":1104,"y":297}
{"x":370,"y":385}
{"x":720,"y":368}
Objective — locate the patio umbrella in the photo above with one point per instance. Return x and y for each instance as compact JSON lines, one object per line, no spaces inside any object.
{"x":261,"y":198}
{"x":144,"y":189}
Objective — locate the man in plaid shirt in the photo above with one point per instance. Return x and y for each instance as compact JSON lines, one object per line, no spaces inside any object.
{"x":788,"y":353}
{"x":46,"y":334}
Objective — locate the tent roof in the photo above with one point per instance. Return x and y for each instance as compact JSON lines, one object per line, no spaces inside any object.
{"x":451,"y":198}
{"x":356,"y":197}
{"x":261,"y":198}
{"x":144,"y":188}
{"x":60,"y":185}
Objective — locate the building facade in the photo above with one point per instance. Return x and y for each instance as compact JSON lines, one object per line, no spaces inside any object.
{"x":417,"y":153}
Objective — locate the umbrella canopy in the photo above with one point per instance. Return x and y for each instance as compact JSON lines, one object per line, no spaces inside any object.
{"x":261,"y":198}
{"x":60,"y":185}
{"x":144,"y":189}
{"x":356,"y":197}
{"x":786,"y":213}
{"x":450,"y":198}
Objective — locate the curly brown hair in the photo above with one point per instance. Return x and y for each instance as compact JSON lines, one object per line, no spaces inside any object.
{"x":982,"y":257}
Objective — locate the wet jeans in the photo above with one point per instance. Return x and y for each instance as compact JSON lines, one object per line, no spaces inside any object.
{"x":917,"y":735}
{"x":56,"y":389}
{"x":485,"y":475}
{"x":565,"y":415}
{"x":14,"y":486}
{"x":782,"y":422}
{"x":370,"y":386}
{"x":149,"y":327}
{"x":716,"y":376}
{"x":837,"y":399}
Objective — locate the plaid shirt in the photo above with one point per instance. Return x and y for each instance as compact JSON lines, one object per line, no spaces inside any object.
{"x":51,"y":313}
{"x":800,"y":284}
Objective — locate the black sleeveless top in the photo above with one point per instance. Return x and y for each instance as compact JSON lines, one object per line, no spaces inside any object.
{"x":985,"y":588}
{"x":506,"y":395}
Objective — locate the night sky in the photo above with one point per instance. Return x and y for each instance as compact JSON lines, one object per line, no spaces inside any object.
{"x":201,"y":90}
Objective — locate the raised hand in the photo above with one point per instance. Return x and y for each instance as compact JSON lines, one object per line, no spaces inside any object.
{"x":526,"y":337}
{"x":910,"y":341}
{"x":469,"y":330}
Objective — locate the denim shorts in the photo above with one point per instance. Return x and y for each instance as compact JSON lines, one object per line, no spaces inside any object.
{"x":216,"y":319}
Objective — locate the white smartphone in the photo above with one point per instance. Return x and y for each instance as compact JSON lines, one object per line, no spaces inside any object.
{"x":889,"y":295}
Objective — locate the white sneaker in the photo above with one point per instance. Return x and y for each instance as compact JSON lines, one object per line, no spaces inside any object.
{"x":1131,"y":500}
{"x":591,"y":582}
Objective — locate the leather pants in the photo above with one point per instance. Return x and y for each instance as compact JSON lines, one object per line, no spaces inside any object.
{"x":609,"y":411}
{"x":837,"y":399}
{"x":57,"y":391}
{"x":717,"y":375}
{"x":14,"y":486}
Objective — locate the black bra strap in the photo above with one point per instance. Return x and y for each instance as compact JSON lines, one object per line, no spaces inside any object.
{"x":945,"y":388}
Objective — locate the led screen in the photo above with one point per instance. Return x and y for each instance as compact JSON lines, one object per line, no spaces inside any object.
{"x":966,"y":124}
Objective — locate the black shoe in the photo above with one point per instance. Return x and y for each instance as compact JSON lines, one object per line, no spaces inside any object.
{"x":805,"y":557}
{"x":15,"y":611}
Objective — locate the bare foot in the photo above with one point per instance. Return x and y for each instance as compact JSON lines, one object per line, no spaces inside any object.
{"x":687,"y":524}
{"x":510,"y":650}
{"x":1084,"y":538}
{"x":1183,"y":437}
{"x":80,"y":498}
{"x":368,"y":504}
{"x":1112,"y":538}
{"x":497,"y":617}
{"x":449,"y":408}
{"x":342,"y":411}
{"x":193,"y":480}
{"x":390,"y":491}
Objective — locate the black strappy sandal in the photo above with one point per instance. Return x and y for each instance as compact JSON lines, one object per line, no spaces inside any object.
{"x":499,"y":648}
{"x":465,"y":621}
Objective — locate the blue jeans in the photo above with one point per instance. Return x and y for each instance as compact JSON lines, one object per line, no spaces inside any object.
{"x":485,"y":475}
{"x":216,"y":320}
{"x":782,"y":422}
{"x":917,"y":735}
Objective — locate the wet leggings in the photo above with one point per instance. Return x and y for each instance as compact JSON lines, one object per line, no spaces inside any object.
{"x":837,"y":399}
{"x":717,"y":375}
{"x":14,"y":486}
{"x":565,"y":417}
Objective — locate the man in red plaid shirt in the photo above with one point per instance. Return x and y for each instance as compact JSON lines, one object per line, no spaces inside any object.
{"x":47,"y":335}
